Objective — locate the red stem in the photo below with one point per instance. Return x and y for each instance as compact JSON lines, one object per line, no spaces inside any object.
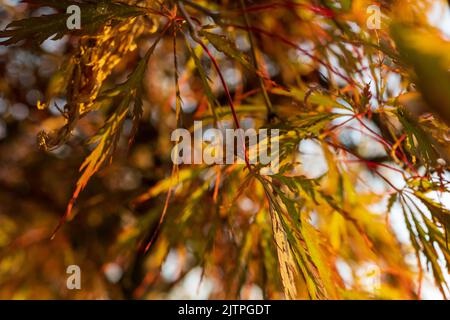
{"x":230,"y":100}
{"x":292,"y":44}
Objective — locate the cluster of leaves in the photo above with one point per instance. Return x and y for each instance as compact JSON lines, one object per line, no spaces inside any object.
{"x":96,"y":14}
{"x":290,"y":233}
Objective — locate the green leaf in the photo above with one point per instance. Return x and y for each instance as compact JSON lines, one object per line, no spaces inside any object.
{"x":392,"y":200}
{"x":418,"y":140}
{"x":224,"y":45}
{"x":436,"y":209}
{"x":212,"y":100}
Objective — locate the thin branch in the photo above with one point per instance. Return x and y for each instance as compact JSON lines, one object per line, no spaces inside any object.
{"x":255,"y":63}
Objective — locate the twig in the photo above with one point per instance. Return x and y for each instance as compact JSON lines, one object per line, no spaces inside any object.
{"x":255,"y":63}
{"x":197,"y":39}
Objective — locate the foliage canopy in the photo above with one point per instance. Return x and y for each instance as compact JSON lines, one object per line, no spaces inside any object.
{"x":364,"y":118}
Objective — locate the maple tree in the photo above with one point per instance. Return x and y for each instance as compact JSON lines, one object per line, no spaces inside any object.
{"x":364,"y":123}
